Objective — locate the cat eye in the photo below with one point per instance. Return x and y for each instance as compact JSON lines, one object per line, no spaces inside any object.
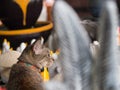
{"x":48,"y":55}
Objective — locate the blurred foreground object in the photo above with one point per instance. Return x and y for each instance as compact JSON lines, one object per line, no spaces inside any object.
{"x":6,"y":61}
{"x":107,"y":64}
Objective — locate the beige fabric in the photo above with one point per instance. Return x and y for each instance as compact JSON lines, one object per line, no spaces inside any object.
{"x":5,"y":75}
{"x":9,"y":58}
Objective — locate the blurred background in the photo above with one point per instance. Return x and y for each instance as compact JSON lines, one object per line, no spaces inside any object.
{"x":88,"y":8}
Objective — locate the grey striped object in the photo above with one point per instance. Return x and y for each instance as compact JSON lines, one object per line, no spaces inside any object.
{"x":80,"y":72}
{"x":74,"y":49}
{"x":108,"y":68}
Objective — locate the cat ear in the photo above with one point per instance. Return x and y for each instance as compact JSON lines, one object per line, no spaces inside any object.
{"x":37,"y":46}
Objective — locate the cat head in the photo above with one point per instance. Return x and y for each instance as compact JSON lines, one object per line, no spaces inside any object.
{"x":37,"y":54}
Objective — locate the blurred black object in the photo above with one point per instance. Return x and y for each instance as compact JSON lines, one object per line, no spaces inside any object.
{"x":95,"y":7}
{"x":1,"y":82}
{"x":12,"y":16}
{"x":118,"y":4}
